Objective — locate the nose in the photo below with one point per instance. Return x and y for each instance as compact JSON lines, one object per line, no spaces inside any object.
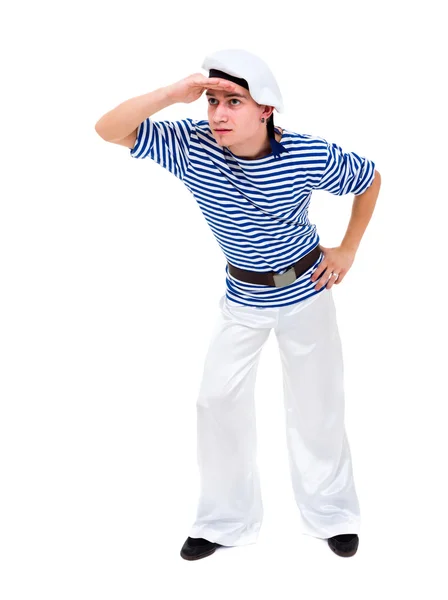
{"x":220,"y":114}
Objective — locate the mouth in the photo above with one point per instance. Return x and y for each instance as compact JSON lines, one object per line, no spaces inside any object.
{"x":223,"y":130}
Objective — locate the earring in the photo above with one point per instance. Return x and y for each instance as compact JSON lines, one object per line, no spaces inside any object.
{"x":262,"y":120}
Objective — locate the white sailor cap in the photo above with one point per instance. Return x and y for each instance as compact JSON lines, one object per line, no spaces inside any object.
{"x":243,"y":66}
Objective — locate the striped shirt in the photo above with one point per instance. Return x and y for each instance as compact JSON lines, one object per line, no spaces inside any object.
{"x":257,"y":209}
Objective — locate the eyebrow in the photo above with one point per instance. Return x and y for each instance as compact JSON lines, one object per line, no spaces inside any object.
{"x":226,"y":95}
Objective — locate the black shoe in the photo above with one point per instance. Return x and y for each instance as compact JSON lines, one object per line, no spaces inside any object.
{"x":345,"y":544}
{"x":195,"y":548}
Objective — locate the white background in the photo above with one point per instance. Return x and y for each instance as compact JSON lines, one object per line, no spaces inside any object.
{"x":104,"y":325}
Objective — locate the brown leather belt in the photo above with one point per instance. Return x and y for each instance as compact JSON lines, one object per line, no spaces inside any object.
{"x":274,"y":279}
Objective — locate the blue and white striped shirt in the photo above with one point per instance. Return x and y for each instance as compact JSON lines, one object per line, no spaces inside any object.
{"x":257,"y":209}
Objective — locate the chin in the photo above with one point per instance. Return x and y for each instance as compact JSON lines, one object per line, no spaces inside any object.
{"x":220,"y":142}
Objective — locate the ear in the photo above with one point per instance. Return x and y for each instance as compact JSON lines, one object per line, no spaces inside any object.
{"x":267,"y":112}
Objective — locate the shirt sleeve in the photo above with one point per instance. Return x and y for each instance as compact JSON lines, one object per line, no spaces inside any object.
{"x":165,"y":142}
{"x":345,"y":172}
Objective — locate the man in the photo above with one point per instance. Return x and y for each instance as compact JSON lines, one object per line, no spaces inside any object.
{"x":253,"y":185}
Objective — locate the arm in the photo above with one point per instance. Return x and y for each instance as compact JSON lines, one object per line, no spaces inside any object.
{"x":124,"y":119}
{"x":362,"y":210}
{"x":339,"y":260}
{"x":165,"y":142}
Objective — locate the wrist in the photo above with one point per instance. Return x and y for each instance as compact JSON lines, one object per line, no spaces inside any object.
{"x":350,"y":247}
{"x":170,"y":94}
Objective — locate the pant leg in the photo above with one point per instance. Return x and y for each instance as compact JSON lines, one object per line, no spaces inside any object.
{"x":318,"y":449}
{"x":230,"y":506}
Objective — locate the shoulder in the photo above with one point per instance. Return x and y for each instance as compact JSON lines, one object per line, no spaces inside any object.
{"x":305,"y":139}
{"x":305,"y":145}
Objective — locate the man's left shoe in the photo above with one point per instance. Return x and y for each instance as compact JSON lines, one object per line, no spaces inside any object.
{"x":345,"y":544}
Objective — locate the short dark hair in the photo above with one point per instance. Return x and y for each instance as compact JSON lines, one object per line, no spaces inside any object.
{"x":270,"y":126}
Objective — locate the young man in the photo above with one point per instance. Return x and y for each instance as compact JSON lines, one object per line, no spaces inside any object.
{"x":253,"y":185}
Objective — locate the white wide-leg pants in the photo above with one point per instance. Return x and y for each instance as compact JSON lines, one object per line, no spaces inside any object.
{"x":230,"y":506}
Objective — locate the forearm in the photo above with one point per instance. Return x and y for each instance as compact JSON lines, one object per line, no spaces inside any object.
{"x":362,"y":210}
{"x":127,"y":116}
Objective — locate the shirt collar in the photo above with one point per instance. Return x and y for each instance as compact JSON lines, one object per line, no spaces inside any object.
{"x":277,"y":147}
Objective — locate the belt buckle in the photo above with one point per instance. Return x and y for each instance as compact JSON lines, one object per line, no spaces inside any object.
{"x":285,"y":278}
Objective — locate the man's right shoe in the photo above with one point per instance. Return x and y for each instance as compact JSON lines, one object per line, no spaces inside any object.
{"x":195,"y":548}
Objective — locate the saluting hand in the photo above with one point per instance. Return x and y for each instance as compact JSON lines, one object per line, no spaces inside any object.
{"x":192,"y":87}
{"x":334,"y":266}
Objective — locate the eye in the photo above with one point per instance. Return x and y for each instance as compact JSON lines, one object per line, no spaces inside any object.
{"x":232,"y":100}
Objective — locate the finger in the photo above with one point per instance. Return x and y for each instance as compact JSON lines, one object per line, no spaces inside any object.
{"x":214,"y":81}
{"x":206,"y":80}
{"x":318,"y":272}
{"x":333,"y":279}
{"x":217,"y":86}
{"x":323,"y":280}
{"x":322,"y":268}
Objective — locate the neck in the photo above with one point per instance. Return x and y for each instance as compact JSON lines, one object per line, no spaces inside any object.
{"x":253,"y":148}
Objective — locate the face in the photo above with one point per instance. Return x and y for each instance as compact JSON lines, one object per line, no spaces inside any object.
{"x":238,"y":112}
